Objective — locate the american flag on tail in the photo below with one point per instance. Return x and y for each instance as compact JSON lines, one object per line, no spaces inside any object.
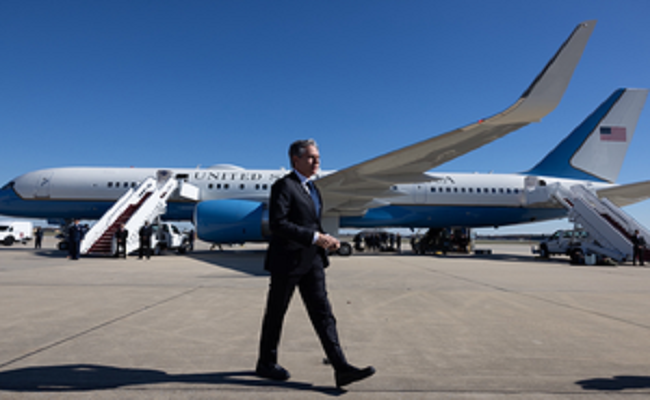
{"x":613,"y":133}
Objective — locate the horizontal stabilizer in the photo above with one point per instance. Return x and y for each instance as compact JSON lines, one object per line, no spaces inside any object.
{"x":625,"y":195}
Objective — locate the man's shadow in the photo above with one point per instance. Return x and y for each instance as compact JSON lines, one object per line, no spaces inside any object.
{"x":87,"y":377}
{"x":616,"y":383}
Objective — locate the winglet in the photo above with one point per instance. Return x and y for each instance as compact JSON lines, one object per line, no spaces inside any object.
{"x":546,"y":91}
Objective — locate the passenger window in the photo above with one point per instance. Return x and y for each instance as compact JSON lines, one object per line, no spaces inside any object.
{"x":110,"y":184}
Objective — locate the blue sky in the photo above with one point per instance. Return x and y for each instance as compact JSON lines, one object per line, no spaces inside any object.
{"x":186,"y":83}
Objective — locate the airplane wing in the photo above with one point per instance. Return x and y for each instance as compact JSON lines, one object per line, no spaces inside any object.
{"x":624,"y":195}
{"x":353,"y":190}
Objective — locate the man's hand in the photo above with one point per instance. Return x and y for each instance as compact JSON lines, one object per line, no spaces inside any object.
{"x":328,"y":242}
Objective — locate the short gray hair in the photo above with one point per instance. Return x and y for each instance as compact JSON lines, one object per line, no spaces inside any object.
{"x":298,"y":147}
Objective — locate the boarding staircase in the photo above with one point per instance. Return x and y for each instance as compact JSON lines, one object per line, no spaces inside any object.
{"x":143,"y":204}
{"x":610,"y":228}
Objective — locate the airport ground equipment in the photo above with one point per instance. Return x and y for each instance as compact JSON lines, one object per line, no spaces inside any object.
{"x":609,"y":229}
{"x":563,"y":242}
{"x":443,"y":240}
{"x":167,"y":236}
{"x":15,"y":231}
{"x":144,"y":203}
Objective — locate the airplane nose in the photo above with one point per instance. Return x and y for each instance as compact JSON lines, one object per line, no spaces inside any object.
{"x":8,"y":199}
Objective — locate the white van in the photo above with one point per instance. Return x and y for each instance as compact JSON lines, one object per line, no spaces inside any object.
{"x":14,"y":231}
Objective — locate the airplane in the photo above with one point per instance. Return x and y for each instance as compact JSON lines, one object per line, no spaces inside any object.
{"x":392,"y":190}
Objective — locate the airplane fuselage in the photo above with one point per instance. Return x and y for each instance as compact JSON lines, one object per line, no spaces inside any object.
{"x":472,"y":200}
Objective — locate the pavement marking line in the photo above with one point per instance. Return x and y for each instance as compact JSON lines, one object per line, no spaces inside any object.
{"x":100,"y":326}
{"x":542,"y":299}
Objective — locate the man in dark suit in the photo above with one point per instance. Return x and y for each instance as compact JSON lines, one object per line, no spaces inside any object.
{"x":145,"y":233}
{"x":121,"y":236}
{"x":75,"y":236}
{"x":638,"y":248}
{"x":297,"y":257}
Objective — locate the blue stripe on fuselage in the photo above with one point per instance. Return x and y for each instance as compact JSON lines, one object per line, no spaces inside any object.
{"x":416,"y":216}
{"x":445,"y":216}
{"x":13,"y":205}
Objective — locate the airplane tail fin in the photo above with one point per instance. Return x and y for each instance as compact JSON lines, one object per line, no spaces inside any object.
{"x":595,"y":150}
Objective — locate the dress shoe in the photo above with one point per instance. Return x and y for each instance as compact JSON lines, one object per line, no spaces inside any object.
{"x":352,"y":374}
{"x":272,"y":371}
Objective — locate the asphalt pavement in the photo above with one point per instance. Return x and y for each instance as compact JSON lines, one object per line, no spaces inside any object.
{"x":501,"y":326}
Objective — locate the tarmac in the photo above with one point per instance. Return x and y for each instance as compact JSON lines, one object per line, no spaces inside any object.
{"x":500,"y":326}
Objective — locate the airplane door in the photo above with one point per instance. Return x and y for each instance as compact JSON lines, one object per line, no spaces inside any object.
{"x":419,"y":193}
{"x":43,"y":185}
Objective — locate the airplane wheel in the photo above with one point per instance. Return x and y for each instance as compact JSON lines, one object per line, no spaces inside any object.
{"x":345,"y":249}
{"x":63,"y":246}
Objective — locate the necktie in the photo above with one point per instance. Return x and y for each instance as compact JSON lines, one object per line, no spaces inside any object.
{"x":314,"y":195}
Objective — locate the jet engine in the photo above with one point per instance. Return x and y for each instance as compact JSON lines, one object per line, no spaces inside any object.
{"x":232,"y":221}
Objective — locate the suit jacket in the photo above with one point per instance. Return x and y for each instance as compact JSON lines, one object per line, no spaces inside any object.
{"x":293,"y":222}
{"x":145,"y":233}
{"x":75,"y":233}
{"x":638,"y":241}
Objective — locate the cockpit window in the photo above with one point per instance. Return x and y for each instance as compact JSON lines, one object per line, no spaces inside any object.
{"x":8,"y":186}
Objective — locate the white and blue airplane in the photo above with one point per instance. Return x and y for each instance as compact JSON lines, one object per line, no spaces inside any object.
{"x":394,"y":190}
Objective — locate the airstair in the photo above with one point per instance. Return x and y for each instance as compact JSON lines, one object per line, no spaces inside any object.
{"x":145,"y":203}
{"x":610,"y":228}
